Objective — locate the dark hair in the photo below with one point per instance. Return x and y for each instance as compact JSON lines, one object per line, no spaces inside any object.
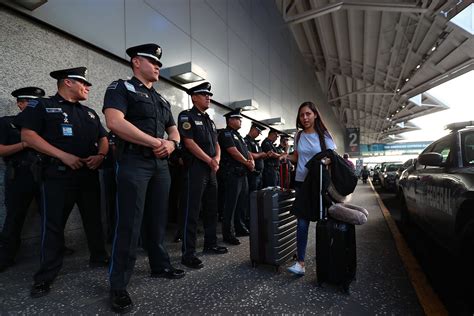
{"x":319,"y":126}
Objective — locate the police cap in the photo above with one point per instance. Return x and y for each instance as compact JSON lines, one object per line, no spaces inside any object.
{"x":203,"y":88}
{"x":150,"y":51}
{"x":78,"y":73}
{"x":258,"y":127}
{"x":28,"y":93}
{"x":234,"y":114}
{"x":272,"y":130}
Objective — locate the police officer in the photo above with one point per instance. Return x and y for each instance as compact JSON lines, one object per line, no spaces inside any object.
{"x":285,"y":164}
{"x":74,"y":144}
{"x":201,"y":157}
{"x":254,"y":177}
{"x":236,"y":161}
{"x":271,"y":164}
{"x":20,"y":186}
{"x":140,"y":116}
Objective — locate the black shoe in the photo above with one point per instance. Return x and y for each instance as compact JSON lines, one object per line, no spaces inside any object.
{"x":192,"y":262}
{"x":218,"y":250}
{"x":120,"y":301}
{"x":169,"y":273}
{"x":40,"y":289}
{"x":232,"y":241}
{"x":68,"y":251}
{"x":99,"y":263}
{"x":242,"y":233}
{"x":178,"y":237}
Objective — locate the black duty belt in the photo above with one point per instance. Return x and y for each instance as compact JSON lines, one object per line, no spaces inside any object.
{"x":146,"y":152}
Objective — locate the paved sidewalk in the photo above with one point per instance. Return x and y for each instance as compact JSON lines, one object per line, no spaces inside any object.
{"x":228,"y":284}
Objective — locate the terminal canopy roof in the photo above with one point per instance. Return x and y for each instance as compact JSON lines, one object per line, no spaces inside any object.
{"x":375,"y":59}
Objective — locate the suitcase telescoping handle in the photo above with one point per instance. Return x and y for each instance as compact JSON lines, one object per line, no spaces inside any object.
{"x":285,"y":185}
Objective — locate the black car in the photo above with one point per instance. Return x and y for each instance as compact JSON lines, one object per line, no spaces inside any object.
{"x":437,"y":192}
{"x":388,"y":175}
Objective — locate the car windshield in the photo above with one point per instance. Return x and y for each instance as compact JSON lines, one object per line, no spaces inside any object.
{"x":468,"y":148}
{"x":393,"y":167}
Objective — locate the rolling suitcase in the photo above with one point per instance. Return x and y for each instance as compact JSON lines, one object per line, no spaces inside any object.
{"x":336,"y":258}
{"x":272,"y":227}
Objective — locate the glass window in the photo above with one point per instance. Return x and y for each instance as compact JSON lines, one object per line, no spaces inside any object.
{"x":443,"y":147}
{"x":468,"y":148}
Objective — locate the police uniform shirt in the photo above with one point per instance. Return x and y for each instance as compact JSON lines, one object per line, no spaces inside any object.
{"x":198,"y":126}
{"x":231,"y":138}
{"x":267,"y":146}
{"x":71,"y":127}
{"x":145,"y":108}
{"x":10,"y":135}
{"x":254,"y":147}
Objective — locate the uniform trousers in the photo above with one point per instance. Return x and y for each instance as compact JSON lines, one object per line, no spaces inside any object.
{"x":270,"y":176}
{"x":199,"y":193}
{"x":143,"y":185}
{"x":255,"y":184}
{"x":20,"y":190}
{"x":60,"y":190}
{"x":236,"y":200}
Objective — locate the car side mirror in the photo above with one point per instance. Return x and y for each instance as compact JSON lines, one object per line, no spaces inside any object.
{"x":430,"y":159}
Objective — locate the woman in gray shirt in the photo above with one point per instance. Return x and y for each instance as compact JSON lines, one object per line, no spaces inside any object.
{"x":307,"y":144}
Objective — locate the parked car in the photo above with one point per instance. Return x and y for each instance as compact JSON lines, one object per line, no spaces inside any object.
{"x":388,"y":175}
{"x":407,"y":164}
{"x":437,"y":193}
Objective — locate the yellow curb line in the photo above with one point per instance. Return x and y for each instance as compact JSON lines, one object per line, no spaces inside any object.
{"x":428,"y":299}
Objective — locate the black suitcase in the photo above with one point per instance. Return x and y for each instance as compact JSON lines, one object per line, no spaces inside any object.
{"x":336,"y":257}
{"x":272,"y":227}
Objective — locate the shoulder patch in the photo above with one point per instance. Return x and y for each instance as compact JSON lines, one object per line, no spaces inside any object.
{"x":113,"y":85}
{"x":186,"y":125}
{"x":32,"y":103}
{"x":228,"y":134}
{"x":184,"y":118}
{"x":129,"y":86}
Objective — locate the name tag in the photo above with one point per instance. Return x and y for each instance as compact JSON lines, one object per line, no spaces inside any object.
{"x":54,"y":110}
{"x":67,"y":130}
{"x":198,"y":122}
{"x":236,"y":137}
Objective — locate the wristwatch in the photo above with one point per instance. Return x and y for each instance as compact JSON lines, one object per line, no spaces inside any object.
{"x":177,"y":145}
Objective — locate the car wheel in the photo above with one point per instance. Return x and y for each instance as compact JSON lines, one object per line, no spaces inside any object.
{"x":404,"y":215}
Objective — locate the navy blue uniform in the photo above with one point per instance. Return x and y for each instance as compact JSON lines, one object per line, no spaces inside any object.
{"x":255,"y":177}
{"x":20,"y":190}
{"x":75,"y":129}
{"x":200,"y":184}
{"x":271,"y":165}
{"x":143,"y":181}
{"x":235,"y":181}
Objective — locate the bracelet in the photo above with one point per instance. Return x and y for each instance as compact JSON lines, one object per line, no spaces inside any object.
{"x":101,"y":154}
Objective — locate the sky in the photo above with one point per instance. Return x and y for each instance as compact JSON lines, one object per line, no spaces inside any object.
{"x":458,"y":94}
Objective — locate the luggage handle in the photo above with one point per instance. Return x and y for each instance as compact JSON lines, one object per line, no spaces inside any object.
{"x":282,"y":182}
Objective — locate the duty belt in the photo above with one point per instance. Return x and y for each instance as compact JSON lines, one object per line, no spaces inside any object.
{"x":146,"y":152}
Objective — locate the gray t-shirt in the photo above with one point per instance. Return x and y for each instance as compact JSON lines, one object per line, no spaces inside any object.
{"x":308,"y":145}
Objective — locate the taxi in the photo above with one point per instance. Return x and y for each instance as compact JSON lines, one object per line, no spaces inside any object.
{"x":437,"y":191}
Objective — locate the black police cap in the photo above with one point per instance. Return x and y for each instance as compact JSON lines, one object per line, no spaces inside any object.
{"x":203,"y":88}
{"x":151,"y":51}
{"x":272,"y":130}
{"x":28,"y":93}
{"x":259,"y":127}
{"x":78,"y":73}
{"x":234,"y":114}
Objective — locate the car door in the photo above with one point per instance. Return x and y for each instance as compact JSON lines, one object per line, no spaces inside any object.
{"x":436,"y":182}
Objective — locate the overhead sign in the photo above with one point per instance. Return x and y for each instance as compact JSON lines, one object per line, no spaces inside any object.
{"x":353,"y":141}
